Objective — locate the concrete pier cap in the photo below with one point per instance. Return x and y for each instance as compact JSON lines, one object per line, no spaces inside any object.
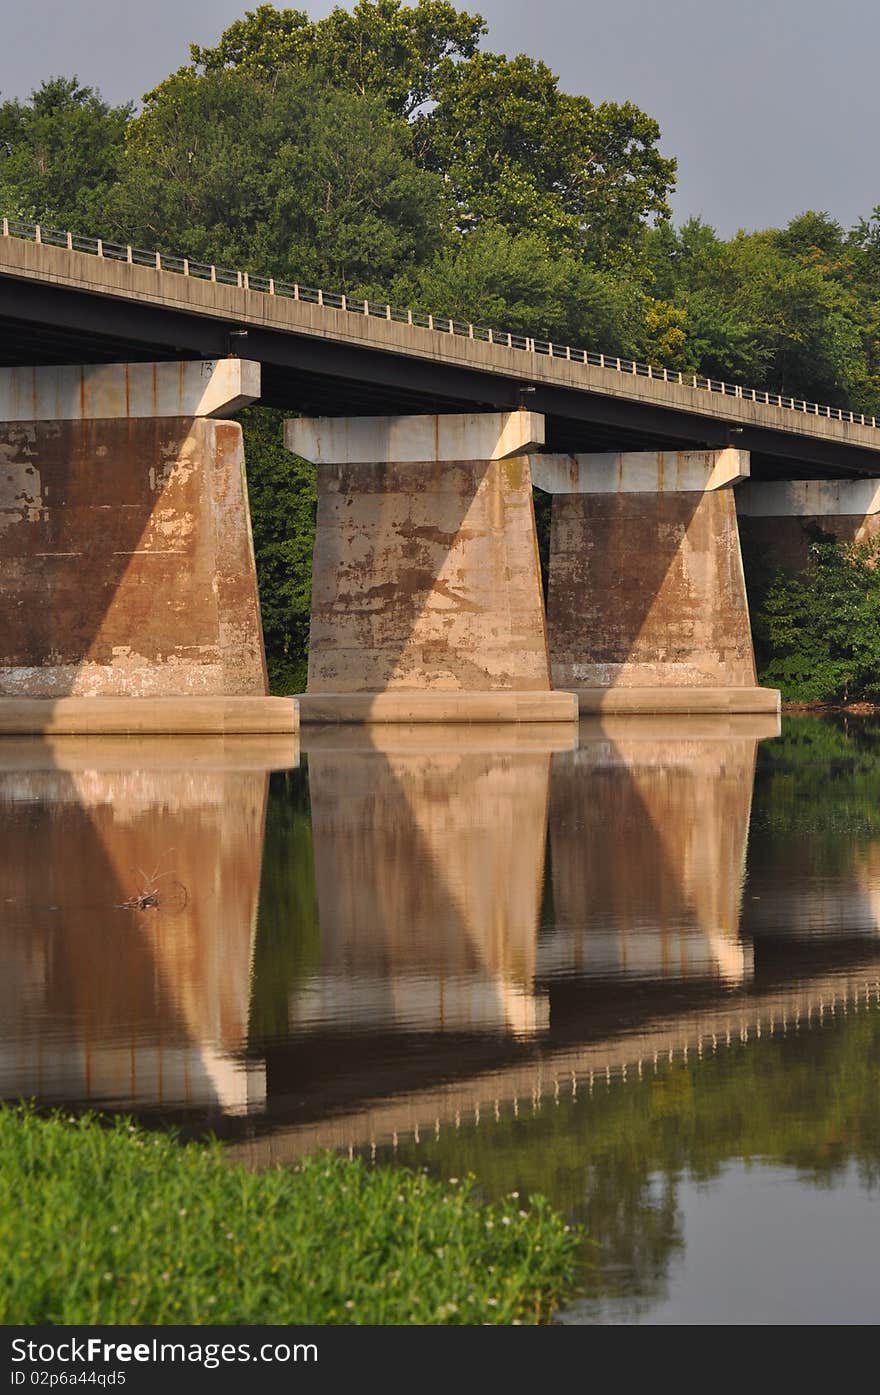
{"x":640,"y":472}
{"x":107,"y":391}
{"x":809,"y":499}
{"x":401,"y":440}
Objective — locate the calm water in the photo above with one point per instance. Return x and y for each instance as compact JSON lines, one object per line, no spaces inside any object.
{"x":635,"y":968}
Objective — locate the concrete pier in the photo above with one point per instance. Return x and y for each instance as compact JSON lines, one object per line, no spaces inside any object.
{"x":426,"y":587}
{"x":647,"y":605}
{"x":782,"y":517}
{"x":126,"y":561}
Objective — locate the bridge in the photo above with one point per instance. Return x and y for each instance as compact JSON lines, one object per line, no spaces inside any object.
{"x":428,"y":435}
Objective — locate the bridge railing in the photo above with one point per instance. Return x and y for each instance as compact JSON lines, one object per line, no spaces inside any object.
{"x":418,"y":319}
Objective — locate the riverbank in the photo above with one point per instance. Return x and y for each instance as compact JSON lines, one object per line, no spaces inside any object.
{"x":829,"y":709}
{"x":102,"y":1222}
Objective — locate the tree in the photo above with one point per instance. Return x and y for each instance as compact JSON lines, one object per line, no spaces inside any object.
{"x":514,"y":149}
{"x":818,"y":634}
{"x":60,"y":154}
{"x":283,"y":500}
{"x":381,"y":47}
{"x":512,"y":281}
{"x":305,"y":182}
{"x":526,"y":157}
{"x":769,"y":309}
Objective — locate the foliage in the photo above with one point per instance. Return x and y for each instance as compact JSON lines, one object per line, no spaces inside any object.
{"x":60,"y":154}
{"x":818,"y":634}
{"x":379,"y":46}
{"x":507,"y":280}
{"x":314,"y":183}
{"x":282,"y":494}
{"x":774,"y":309}
{"x":108,"y":1224}
{"x":522,"y":154}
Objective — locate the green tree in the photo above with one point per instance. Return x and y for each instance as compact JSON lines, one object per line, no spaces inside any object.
{"x":772,"y":309}
{"x":523,"y":155}
{"x":380,"y":46}
{"x":283,"y":496}
{"x":818,"y":634}
{"x":60,"y":154}
{"x":511,"y":281}
{"x":307,"y":182}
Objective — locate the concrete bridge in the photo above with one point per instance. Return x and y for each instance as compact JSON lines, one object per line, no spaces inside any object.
{"x":126,"y":565}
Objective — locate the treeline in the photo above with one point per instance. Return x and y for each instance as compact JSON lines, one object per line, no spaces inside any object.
{"x":385,"y":151}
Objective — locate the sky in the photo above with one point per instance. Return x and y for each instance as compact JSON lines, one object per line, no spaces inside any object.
{"x":769,"y":106}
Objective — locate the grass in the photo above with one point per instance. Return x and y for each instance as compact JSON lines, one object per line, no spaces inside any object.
{"x":102,"y":1222}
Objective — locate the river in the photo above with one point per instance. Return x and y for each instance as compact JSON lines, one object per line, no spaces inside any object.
{"x":634,"y":967}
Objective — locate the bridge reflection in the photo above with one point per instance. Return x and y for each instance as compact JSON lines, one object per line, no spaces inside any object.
{"x":429,"y":922}
{"x":109,"y":1005}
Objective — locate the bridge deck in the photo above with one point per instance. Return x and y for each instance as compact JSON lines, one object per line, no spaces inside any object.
{"x":63,"y":305}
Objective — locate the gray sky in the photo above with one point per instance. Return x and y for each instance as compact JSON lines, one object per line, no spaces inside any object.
{"x":770,"y":106}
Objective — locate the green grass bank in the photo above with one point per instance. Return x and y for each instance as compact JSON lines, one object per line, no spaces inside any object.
{"x":103,"y":1222}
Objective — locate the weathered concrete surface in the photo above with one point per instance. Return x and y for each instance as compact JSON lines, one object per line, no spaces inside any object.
{"x":126,"y":562}
{"x":154,"y":716}
{"x":811,"y":499}
{"x":98,"y":391}
{"x":647,"y":591}
{"x":426,"y":577}
{"x":639,"y":472}
{"x":386,"y":440}
{"x":779,"y":520}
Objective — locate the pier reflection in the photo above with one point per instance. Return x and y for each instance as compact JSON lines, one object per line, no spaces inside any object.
{"x":649,"y":825}
{"x":429,"y":857}
{"x":128,"y":900}
{"x":409,"y":911}
{"x":484,"y":893}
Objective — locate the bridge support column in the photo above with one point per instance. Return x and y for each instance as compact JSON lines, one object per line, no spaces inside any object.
{"x":780,"y":518}
{"x":126,"y":564}
{"x":426,"y":587}
{"x":647,"y":606}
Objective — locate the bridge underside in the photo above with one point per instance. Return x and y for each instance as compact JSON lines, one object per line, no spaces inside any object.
{"x":51,"y":324}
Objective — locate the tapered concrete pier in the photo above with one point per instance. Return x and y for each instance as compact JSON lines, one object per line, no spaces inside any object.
{"x":127,"y":580}
{"x":647,"y":607}
{"x":426,"y":588}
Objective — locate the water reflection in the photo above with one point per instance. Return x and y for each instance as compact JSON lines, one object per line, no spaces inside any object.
{"x":649,"y":825}
{"x":608,"y":964}
{"x":429,"y":859}
{"x":111,"y":1004}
